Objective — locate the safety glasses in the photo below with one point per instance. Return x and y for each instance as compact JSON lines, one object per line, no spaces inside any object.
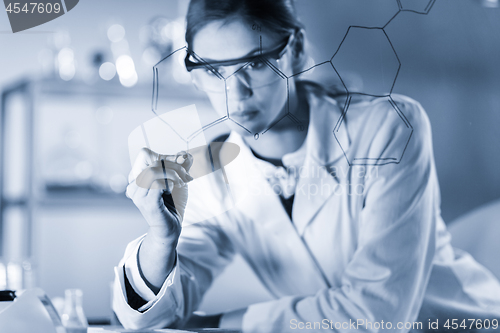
{"x":254,"y":71}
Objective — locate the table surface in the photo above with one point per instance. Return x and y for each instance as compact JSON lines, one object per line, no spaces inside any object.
{"x":119,"y":329}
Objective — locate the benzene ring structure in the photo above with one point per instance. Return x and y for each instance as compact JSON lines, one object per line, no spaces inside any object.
{"x":416,"y":6}
{"x":374,"y":61}
{"x":325,"y":74}
{"x":181,"y":53}
{"x":384,"y":117}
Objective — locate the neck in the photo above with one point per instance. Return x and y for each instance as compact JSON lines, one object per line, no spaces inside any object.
{"x":284,"y":137}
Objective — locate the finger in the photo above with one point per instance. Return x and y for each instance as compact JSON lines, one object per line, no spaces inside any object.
{"x":184,"y":159}
{"x":181,"y":171}
{"x":188,"y":162}
{"x":148,"y":176}
{"x":178,"y":168}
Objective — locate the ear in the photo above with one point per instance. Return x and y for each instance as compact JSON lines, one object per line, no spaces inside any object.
{"x":300,"y":57}
{"x":299,"y":43}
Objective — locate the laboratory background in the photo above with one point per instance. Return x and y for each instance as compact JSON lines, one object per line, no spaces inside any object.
{"x":73,"y":89}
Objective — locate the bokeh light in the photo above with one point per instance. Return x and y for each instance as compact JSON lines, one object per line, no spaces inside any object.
{"x":107,"y":71}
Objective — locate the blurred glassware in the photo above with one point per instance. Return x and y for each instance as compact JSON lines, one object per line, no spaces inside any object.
{"x":73,"y":317}
{"x":14,"y":275}
{"x":18,"y":274}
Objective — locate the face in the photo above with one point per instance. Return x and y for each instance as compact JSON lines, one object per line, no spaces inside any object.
{"x":256,"y":95}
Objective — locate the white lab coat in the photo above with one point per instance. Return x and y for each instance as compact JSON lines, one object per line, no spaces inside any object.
{"x":365,"y":243}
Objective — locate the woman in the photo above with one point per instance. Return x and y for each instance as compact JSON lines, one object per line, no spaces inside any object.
{"x":335,"y":245}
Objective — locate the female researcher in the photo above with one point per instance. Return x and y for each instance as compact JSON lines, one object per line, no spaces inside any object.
{"x":333,"y":243}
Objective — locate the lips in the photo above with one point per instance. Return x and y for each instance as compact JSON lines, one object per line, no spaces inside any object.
{"x":245,"y":115}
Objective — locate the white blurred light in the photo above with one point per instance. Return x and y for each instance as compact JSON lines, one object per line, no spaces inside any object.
{"x":66,"y":55}
{"x":176,"y":29}
{"x":118,"y":183}
{"x":116,"y":33}
{"x":489,"y":3}
{"x":130,"y":81}
{"x":3,"y":276}
{"x":125,"y":67}
{"x":167,"y":32}
{"x":84,"y":170}
{"x":107,"y":71}
{"x":14,"y":276}
{"x":104,"y":115}
{"x":67,"y":71}
{"x":66,"y":62}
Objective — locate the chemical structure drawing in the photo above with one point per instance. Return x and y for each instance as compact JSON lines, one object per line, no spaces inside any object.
{"x":327,"y":76}
{"x":156,"y":90}
{"x":384,"y":117}
{"x":416,"y":6}
{"x":369,"y":68}
{"x":221,"y":82}
{"x":375,"y":61}
{"x":377,"y":64}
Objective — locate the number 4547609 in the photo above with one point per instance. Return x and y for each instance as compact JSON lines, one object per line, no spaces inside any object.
{"x":471,"y":324}
{"x":33,"y":7}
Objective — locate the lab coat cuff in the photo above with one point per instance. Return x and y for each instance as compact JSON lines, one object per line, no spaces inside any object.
{"x":165,"y":308}
{"x":137,"y":282}
{"x":134,"y":276}
{"x":170,"y":289}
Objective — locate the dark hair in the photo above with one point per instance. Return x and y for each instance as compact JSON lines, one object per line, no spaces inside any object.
{"x":272,"y":16}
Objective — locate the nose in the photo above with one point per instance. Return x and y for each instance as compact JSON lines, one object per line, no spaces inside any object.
{"x":238,"y":88}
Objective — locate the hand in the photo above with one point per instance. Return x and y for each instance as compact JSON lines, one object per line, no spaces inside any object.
{"x":158,"y":188}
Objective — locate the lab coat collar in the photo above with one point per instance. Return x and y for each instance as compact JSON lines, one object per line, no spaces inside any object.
{"x":315,"y":184}
{"x":256,"y":200}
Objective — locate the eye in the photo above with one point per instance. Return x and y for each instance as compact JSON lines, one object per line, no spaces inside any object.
{"x":211,"y":72}
{"x":257,"y":64}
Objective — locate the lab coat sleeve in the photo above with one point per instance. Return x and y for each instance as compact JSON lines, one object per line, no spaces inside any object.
{"x":182,"y":291}
{"x":388,"y":274}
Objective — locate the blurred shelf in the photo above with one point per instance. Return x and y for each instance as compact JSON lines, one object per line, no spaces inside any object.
{"x":55,"y":86}
{"x":85,"y":200}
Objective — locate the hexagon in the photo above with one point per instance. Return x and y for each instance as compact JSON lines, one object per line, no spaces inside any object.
{"x":382,"y":139}
{"x":416,"y":6}
{"x":171,"y":68}
{"x":276,"y":77}
{"x":367,"y":62}
{"x":325,"y":75}
{"x":171,"y":71}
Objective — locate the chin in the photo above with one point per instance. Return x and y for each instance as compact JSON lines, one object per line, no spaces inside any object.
{"x":243,"y":127}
